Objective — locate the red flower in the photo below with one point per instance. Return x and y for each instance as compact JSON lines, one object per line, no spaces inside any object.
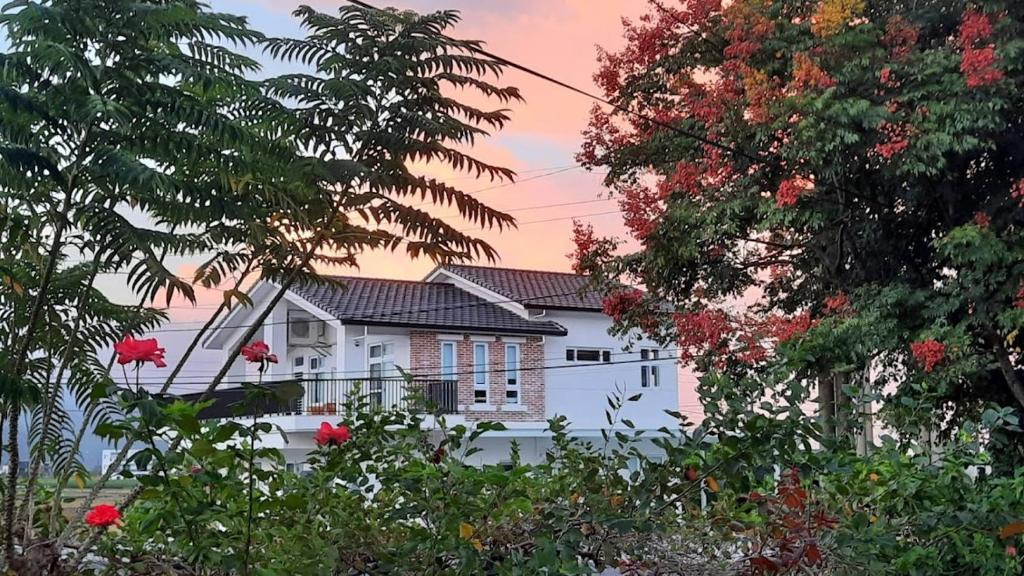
{"x":897,"y":139}
{"x":131,"y":350}
{"x":979,"y":67}
{"x":640,"y":211}
{"x":837,"y":303}
{"x":585,"y":241}
{"x":900,"y":37}
{"x":328,"y":435}
{"x":1019,"y":301}
{"x":685,"y":179}
{"x":103,"y":515}
{"x":621,"y":303}
{"x":982,"y":220}
{"x":258,"y":352}
{"x":703,"y":331}
{"x":1017,"y":192}
{"x":974,"y":27}
{"x":807,"y":75}
{"x":978,"y":64}
{"x":790,"y":190}
{"x":928,"y":353}
{"x":785,"y":329}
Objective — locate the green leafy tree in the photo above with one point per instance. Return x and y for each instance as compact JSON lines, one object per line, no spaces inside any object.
{"x":133,"y":131}
{"x":830,"y":193}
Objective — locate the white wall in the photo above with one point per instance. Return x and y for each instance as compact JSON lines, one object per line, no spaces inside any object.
{"x":580,"y":393}
{"x":494,"y":447}
{"x":358,"y":339}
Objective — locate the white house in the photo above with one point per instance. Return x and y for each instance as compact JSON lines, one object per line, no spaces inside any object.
{"x":482,"y":343}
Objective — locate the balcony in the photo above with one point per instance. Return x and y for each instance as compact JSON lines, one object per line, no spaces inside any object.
{"x":329,"y":397}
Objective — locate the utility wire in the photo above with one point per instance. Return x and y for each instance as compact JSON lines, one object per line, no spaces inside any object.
{"x":522,"y":68}
{"x":452,"y":375}
{"x":329,"y":374}
{"x":384,"y":315}
{"x":756,"y":156}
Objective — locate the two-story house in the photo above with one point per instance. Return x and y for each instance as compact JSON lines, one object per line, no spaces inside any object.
{"x":480,"y":343}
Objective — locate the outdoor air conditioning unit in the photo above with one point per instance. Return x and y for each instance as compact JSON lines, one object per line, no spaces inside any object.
{"x":306,"y":331}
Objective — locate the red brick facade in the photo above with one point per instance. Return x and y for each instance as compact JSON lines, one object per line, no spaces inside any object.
{"x":425,"y":357}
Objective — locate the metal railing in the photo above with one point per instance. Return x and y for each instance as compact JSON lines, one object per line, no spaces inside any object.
{"x":330,"y":396}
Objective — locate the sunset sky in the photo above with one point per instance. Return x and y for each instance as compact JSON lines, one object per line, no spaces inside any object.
{"x":556,"y":37}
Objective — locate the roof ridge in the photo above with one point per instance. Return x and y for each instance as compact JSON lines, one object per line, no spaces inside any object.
{"x":377,"y":279}
{"x":510,"y":269}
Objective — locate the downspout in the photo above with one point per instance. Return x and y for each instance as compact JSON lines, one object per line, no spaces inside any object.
{"x":543,"y":337}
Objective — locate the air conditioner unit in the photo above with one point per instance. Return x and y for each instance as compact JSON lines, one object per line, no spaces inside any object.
{"x":306,"y":332}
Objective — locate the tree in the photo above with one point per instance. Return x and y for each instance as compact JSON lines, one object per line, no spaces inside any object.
{"x":850,"y":170}
{"x":130,"y":131}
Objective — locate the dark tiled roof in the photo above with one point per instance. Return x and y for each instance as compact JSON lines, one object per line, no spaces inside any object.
{"x":379,"y":302}
{"x":533,"y":288}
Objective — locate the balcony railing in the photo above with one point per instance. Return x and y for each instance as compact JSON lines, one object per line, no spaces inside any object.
{"x":329,"y":397}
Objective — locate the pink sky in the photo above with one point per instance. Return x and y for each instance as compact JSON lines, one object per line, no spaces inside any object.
{"x":556,"y":37}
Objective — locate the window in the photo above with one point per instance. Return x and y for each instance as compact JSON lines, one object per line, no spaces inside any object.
{"x":512,"y":373}
{"x":317,"y":392}
{"x":480,"y":373}
{"x":382,"y":365}
{"x":649,"y":375}
{"x":588,"y":355}
{"x":448,"y":361}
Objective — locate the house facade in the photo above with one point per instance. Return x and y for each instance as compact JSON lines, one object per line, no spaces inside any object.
{"x":475,"y":343}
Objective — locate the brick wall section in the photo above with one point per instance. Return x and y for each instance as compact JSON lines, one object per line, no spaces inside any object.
{"x":425,"y":357}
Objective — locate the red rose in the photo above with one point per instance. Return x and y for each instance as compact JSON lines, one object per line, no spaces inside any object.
{"x":258,"y":352}
{"x":139,"y":351}
{"x":103,"y":515}
{"x":328,"y":435}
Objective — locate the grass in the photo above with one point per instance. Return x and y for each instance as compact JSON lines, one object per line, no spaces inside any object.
{"x":112,"y":484}
{"x":113,"y":491}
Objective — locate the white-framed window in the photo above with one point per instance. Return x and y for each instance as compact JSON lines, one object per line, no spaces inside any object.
{"x":317,"y":374}
{"x":381,"y":363}
{"x":650,"y":377}
{"x":480,"y":368}
{"x":512,"y":374}
{"x":311,"y":369}
{"x":448,"y":361}
{"x":588,"y":355}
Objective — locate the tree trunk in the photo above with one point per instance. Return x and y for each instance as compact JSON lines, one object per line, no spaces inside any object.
{"x":867,"y":433}
{"x":50,"y":402}
{"x":827,"y":404}
{"x":1006,"y":367}
{"x":14,"y":408}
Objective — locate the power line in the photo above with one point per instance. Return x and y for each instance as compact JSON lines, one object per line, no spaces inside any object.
{"x":447,"y":376}
{"x":757,"y":156}
{"x":382,"y":315}
{"x":522,"y":68}
{"x":508,"y":184}
{"x":329,"y":375}
{"x":527,"y":171}
{"x":552,"y":171}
